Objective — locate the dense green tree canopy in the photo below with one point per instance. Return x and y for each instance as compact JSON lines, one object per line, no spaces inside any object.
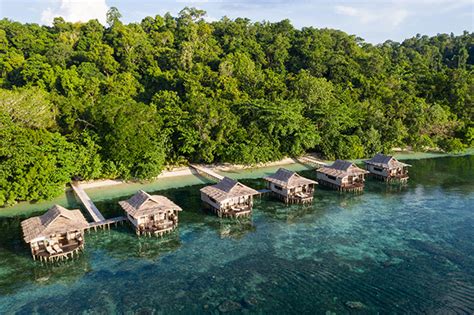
{"x":91,"y":101}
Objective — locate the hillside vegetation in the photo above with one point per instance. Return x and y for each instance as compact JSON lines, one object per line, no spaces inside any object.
{"x":87,"y":101}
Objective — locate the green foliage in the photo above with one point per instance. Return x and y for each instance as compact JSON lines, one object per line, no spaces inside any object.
{"x":453,"y":145}
{"x":372,"y":141}
{"x":283,"y":123}
{"x":88,"y":159}
{"x":131,"y":137}
{"x":29,"y":108}
{"x":113,"y":16}
{"x":470,"y":137}
{"x":35,"y":164}
{"x":37,"y":71}
{"x":349,"y":147}
{"x":87,"y":101}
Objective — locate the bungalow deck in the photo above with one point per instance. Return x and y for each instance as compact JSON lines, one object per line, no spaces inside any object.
{"x":67,"y":252}
{"x":400,"y":178}
{"x":354,"y":187}
{"x":156,"y":229}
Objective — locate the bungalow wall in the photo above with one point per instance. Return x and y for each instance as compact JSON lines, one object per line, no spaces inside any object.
{"x":161,"y":216}
{"x":377,"y":170}
{"x":211,"y":201}
{"x":339,"y":181}
{"x":286,"y":192}
{"x":134,"y":221}
{"x":278,"y":189}
{"x":226,"y":203}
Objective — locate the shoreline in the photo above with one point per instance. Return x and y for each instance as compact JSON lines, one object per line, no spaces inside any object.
{"x":229,"y":167}
{"x":100,"y":190}
{"x":186,"y":171}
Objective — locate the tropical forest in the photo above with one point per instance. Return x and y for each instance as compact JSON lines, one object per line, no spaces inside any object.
{"x":88,"y":101}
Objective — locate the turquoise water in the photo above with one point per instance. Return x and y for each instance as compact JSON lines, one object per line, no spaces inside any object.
{"x":117,"y":191}
{"x":391,"y":249}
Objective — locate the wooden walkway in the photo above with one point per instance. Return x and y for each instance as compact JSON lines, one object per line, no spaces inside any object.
{"x":87,"y":202}
{"x":311,"y":160}
{"x":206,"y":171}
{"x":106,"y":223}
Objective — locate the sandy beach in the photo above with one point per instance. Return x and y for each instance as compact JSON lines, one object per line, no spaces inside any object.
{"x":228,"y":167}
{"x":187,"y":170}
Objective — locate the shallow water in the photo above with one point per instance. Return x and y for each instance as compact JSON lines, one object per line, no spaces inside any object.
{"x":115,"y":191}
{"x":394,"y":249}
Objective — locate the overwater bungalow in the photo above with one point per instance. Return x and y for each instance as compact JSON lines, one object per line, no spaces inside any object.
{"x":55,"y":235}
{"x":387,"y":168}
{"x":228,"y":198}
{"x":290,"y":186}
{"x":151,"y":214}
{"x":342,"y":175}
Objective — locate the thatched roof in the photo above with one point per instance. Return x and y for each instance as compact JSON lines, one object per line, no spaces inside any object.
{"x":288,"y":179}
{"x":228,"y":188}
{"x":57,"y":220}
{"x":142,"y":204}
{"x":342,"y":169}
{"x":385,"y":161}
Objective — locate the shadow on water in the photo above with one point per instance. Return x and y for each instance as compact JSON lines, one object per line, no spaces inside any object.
{"x":448,"y":173}
{"x":275,"y":209}
{"x":42,"y":274}
{"x":325,"y":202}
{"x":236,"y":228}
{"x":122,"y":243}
{"x":71,"y":199}
{"x":205,"y":180}
{"x":376,"y":186}
{"x":268,"y":170}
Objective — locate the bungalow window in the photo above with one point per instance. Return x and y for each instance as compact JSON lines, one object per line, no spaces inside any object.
{"x":378,"y":169}
{"x":213,"y":200}
{"x":331,"y":177}
{"x":278,"y":187}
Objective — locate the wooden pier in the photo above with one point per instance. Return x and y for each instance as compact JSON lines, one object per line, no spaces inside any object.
{"x":97,"y":217}
{"x":205,"y":171}
{"x":105,"y":224}
{"x":87,"y":202}
{"x":307,"y":159}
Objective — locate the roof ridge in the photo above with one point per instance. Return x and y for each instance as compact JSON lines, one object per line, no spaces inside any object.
{"x":50,"y":216}
{"x":227,"y":180}
{"x":341,"y":165}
